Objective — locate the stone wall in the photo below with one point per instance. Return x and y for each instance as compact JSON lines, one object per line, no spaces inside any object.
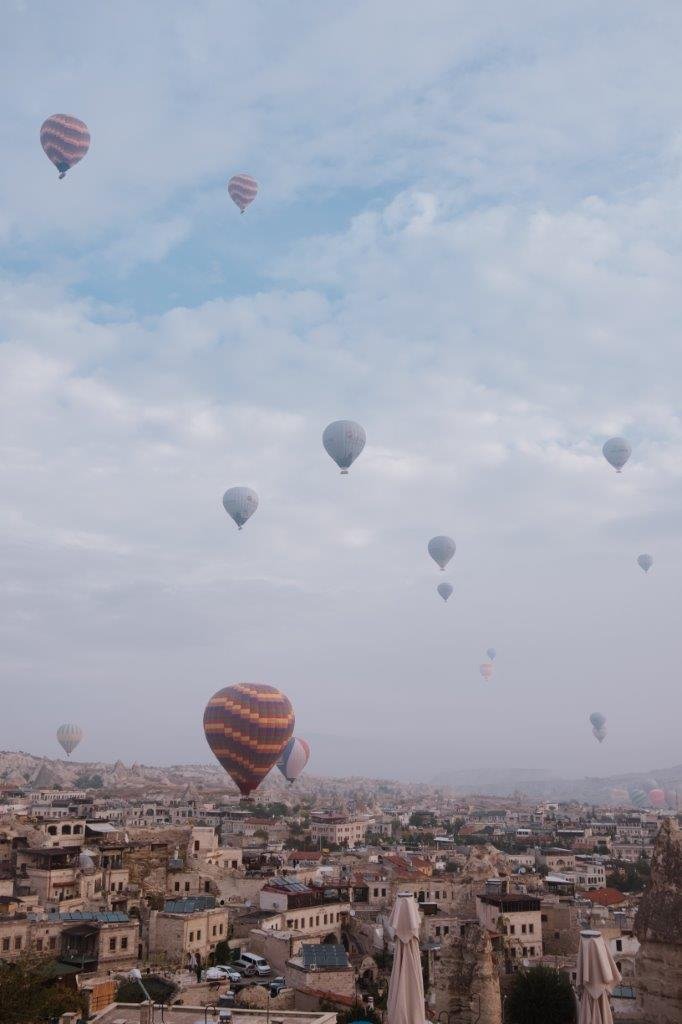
{"x":658,"y":926}
{"x":465,"y":980}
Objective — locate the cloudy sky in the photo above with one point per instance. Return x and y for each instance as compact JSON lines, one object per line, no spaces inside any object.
{"x":468,"y":239}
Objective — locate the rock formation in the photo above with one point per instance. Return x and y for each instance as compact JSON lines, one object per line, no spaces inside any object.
{"x":658,"y":925}
{"x":465,"y":980}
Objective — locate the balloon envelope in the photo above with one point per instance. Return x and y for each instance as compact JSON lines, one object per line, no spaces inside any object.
{"x":597,"y":719}
{"x":600,"y":732}
{"x":657,"y":798}
{"x":343,"y":441}
{"x":617,"y":451}
{"x":240,"y":503}
{"x":445,"y":590}
{"x":486,"y":669}
{"x":441,"y":550}
{"x":295,"y":757}
{"x":645,"y":562}
{"x":69,"y":736}
{"x":247,"y":727}
{"x":65,"y":140}
{"x":492,"y":653}
{"x":243,"y":190}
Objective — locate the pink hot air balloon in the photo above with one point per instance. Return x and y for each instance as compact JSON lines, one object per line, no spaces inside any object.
{"x":657,"y":798}
{"x":486,"y":669}
{"x":243,"y":190}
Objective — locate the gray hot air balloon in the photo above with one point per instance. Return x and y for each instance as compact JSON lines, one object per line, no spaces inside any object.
{"x":441,"y":550}
{"x":343,"y":441}
{"x":600,"y":732}
{"x":645,"y":562}
{"x":240,"y":503}
{"x":597,"y":719}
{"x":445,"y":590}
{"x":492,"y":653}
{"x":617,"y":451}
{"x":69,"y":736}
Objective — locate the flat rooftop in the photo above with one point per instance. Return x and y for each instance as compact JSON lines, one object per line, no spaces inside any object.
{"x":129,"y":1013}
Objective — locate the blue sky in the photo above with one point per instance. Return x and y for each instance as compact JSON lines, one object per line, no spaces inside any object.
{"x":466,"y":238}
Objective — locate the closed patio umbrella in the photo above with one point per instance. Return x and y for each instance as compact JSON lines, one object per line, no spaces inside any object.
{"x":405,"y":1003}
{"x":597,"y":976}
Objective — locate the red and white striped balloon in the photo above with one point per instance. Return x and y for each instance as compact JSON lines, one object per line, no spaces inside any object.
{"x":486,"y":669}
{"x":243,"y":190}
{"x":65,"y":140}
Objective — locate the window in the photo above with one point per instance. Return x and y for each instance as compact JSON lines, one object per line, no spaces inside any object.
{"x":5,"y":944}
{"x":512,"y":929}
{"x":532,"y":950}
{"x":376,"y":892}
{"x":437,"y":929}
{"x":124,"y":942}
{"x":120,"y":886}
{"x":39,"y":945}
{"x":215,"y":929}
{"x":177,"y":887}
{"x":557,"y":935}
{"x":191,"y":936}
{"x":531,"y":928}
{"x":523,"y":929}
{"x":220,"y":930}
{"x":446,"y":929}
{"x":17,"y":942}
{"x":619,"y":945}
{"x":207,"y":886}
{"x":196,"y":845}
{"x":53,"y":942}
{"x":543,"y":918}
{"x":112,"y":945}
{"x":525,"y":950}
{"x":186,"y":886}
{"x":383,"y":892}
{"x":324,"y":919}
{"x":198,"y":934}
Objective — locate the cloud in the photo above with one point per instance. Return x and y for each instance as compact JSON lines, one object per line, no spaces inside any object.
{"x":470,"y":244}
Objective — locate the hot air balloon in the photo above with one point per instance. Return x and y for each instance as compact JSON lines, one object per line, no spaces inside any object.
{"x":243,"y":190}
{"x":441,"y":550}
{"x":617,"y":451}
{"x":637,"y":796}
{"x":599,"y":732}
{"x":240,"y":503}
{"x":486,"y":669}
{"x":445,"y":590}
{"x":645,"y":562}
{"x":295,"y":757}
{"x":247,"y":727}
{"x":657,"y":798}
{"x":619,"y":796}
{"x":65,"y":140}
{"x":68,"y":737}
{"x":597,"y":719}
{"x":344,"y":441}
{"x":492,"y":653}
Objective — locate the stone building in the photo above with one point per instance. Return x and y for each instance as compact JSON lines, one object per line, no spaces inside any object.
{"x":184,"y":928}
{"x":658,"y":926}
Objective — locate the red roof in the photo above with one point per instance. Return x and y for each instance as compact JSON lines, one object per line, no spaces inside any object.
{"x":604,"y":897}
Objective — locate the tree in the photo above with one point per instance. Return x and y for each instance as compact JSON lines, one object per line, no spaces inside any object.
{"x":27,"y":994}
{"x":160,"y":990}
{"x":540,"y":995}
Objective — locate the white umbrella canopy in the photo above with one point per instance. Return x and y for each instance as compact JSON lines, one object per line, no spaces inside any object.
{"x":405,"y":1003}
{"x":597,"y":976}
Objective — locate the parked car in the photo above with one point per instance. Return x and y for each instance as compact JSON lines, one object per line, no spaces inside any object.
{"x":276,"y":986}
{"x":250,"y":964}
{"x":226,"y":999}
{"x":229,"y":971}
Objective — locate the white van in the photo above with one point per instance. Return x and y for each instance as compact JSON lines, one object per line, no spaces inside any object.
{"x":251,"y":963}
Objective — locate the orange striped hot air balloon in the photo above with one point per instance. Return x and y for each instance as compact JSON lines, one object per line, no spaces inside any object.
{"x":65,"y":140}
{"x":243,"y":190}
{"x":247,"y":727}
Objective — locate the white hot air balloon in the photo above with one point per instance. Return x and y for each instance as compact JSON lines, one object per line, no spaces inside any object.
{"x":343,"y":441}
{"x":445,"y":590}
{"x":486,"y":669}
{"x":441,"y":550}
{"x":240,"y":503}
{"x":645,"y":562}
{"x":617,"y":451}
{"x":68,"y":737}
{"x":600,"y":732}
{"x":492,"y":653}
